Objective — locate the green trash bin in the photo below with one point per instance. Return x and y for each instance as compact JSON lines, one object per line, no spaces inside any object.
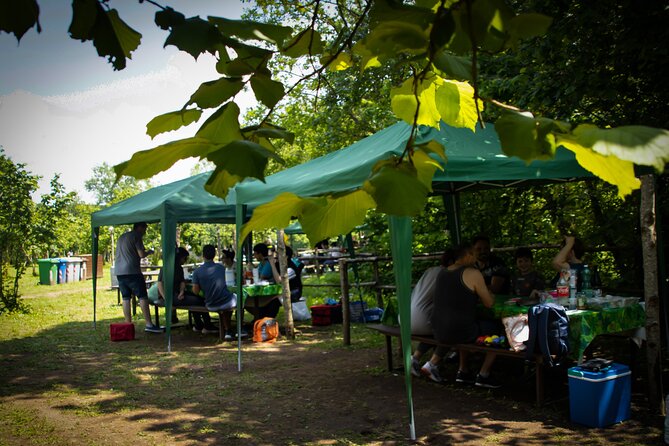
{"x":48,"y":271}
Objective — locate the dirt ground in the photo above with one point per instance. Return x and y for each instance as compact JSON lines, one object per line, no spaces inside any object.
{"x":295,"y":394}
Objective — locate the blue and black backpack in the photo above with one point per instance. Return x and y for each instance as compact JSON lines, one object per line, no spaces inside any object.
{"x":549,"y":333}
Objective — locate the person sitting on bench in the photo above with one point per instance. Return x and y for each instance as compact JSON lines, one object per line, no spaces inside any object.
{"x":458,"y":289}
{"x":210,"y":278}
{"x":184,"y":299}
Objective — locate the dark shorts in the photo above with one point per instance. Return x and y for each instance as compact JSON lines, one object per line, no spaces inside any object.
{"x":130,"y":284}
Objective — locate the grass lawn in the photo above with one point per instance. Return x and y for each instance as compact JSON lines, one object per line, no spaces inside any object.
{"x":63,"y":382}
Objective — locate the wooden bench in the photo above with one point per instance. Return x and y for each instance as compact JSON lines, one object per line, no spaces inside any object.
{"x":390,"y":332}
{"x":193,"y":308}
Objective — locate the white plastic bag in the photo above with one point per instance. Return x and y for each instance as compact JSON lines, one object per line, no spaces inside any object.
{"x":301,"y":311}
{"x":517,"y":331}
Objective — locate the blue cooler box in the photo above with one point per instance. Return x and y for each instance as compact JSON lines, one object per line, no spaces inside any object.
{"x":599,"y":399}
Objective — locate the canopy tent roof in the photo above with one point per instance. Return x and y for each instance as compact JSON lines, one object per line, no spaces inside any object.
{"x":475,"y":160}
{"x":184,"y":200}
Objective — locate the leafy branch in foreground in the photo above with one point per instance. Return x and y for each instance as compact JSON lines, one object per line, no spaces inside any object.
{"x":439,"y":40}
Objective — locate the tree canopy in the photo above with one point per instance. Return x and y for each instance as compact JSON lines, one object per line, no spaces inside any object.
{"x":438,"y":47}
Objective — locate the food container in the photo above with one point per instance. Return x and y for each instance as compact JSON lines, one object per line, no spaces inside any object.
{"x":602,"y":398}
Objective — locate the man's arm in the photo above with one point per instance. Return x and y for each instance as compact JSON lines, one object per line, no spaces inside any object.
{"x":477,"y":281}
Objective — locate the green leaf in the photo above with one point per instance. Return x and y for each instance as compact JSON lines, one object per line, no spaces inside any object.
{"x":442,"y":29}
{"x":396,"y":189}
{"x":525,"y":26}
{"x":342,"y":62}
{"x":455,"y":103}
{"x":390,"y":38}
{"x":111,"y":36}
{"x":84,"y":15}
{"x":243,"y":159}
{"x":250,"y":30}
{"x":223,"y":126}
{"x":268,"y":131}
{"x":489,"y":23}
{"x":384,"y":11}
{"x":367,"y":58}
{"x":18,"y":16}
{"x":337,"y":215}
{"x":306,"y":42}
{"x":403,"y":102}
{"x":168,"y":18}
{"x":220,"y":182}
{"x":456,"y":67}
{"x":128,"y":38}
{"x":249,"y":60}
{"x":642,"y":145}
{"x":147,"y":163}
{"x":214,"y":93}
{"x":171,"y":121}
{"x":425,"y":167}
{"x":267,"y":91}
{"x":194,"y":36}
{"x":609,"y":168}
{"x":276,"y":214}
{"x":433,"y":147}
{"x":526,"y":137}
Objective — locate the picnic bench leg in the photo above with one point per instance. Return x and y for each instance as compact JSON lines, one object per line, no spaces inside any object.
{"x":190,"y":319}
{"x":220,"y":326}
{"x":118,"y":296}
{"x":389,"y":352}
{"x":157,"y":319}
{"x":539,"y":383}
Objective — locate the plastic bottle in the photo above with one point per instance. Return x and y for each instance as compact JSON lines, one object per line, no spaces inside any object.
{"x":572,"y":289}
{"x":596,"y":281}
{"x":586,"y":286}
{"x":563,"y":287}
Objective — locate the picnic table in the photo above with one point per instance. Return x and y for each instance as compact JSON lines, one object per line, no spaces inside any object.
{"x":584,"y":325}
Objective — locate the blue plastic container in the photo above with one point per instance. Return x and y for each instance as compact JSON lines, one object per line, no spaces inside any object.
{"x":599,"y":399}
{"x":62,"y":270}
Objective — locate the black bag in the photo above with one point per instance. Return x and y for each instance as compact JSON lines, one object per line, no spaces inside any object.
{"x":549,"y":333}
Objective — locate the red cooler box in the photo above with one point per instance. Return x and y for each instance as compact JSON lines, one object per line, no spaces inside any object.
{"x":122,"y":332}
{"x":326,"y":314}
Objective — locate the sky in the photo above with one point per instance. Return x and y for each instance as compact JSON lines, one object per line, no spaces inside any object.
{"x":63,"y":109}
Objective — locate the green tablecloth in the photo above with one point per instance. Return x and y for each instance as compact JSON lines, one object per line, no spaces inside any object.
{"x":584,"y":325}
{"x":261,"y":290}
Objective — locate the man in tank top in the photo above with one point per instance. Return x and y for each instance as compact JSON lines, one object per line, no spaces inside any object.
{"x":458,"y":290}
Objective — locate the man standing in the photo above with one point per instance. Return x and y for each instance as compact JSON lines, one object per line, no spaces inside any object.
{"x":129,"y":250}
{"x":210,"y":278}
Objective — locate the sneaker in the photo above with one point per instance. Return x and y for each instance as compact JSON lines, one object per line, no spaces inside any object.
{"x":243,"y":334}
{"x":465,"y":377}
{"x":488,"y":382}
{"x":197,"y":330}
{"x":208,"y":330}
{"x":228,"y":336}
{"x":432,"y":372}
{"x":153,"y":329}
{"x":415,"y":367}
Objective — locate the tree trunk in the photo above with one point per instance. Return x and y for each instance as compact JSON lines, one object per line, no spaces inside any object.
{"x":283,"y":272}
{"x":651,"y":295}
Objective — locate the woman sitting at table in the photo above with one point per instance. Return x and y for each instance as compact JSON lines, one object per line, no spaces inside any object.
{"x":228,"y":261}
{"x":458,"y":290}
{"x":202,"y":321}
{"x":265,"y":272}
{"x":294,"y":272}
{"x":261,"y":253}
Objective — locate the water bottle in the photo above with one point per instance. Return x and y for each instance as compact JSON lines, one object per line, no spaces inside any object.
{"x":563,"y":287}
{"x":586,"y":287}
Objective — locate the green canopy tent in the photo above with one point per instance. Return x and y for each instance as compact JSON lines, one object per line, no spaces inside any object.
{"x":178,"y":202}
{"x":475,"y":161}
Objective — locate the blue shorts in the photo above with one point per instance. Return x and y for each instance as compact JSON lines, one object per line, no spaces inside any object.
{"x":130,"y":284}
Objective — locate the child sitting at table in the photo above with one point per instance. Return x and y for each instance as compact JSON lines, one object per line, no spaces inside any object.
{"x":527,"y":283}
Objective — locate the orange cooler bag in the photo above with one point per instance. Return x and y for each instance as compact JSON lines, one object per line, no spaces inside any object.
{"x":122,"y":332}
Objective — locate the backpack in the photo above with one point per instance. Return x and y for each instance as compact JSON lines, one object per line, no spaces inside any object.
{"x":265,"y":330}
{"x":549,"y":333}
